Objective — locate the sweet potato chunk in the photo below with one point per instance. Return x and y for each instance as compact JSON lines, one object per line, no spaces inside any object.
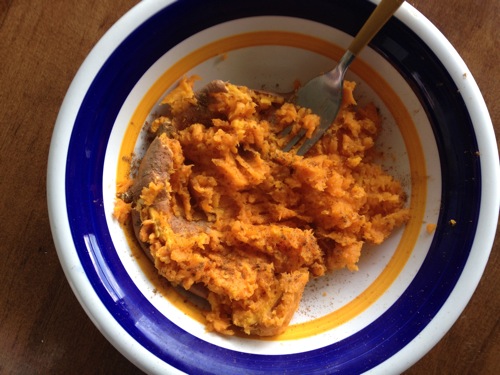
{"x":222,"y":211}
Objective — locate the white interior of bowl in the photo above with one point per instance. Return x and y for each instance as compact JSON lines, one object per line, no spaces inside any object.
{"x":269,"y":67}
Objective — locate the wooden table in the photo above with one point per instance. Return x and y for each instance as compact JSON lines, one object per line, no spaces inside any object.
{"x":43,"y":329}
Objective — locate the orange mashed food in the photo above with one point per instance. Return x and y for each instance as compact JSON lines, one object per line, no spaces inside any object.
{"x":223,"y":211}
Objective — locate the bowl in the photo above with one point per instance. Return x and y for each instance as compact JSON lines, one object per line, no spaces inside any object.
{"x":437,"y":138}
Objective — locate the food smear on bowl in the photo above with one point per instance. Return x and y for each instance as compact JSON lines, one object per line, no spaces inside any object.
{"x":223,"y":212}
{"x":431,"y":228}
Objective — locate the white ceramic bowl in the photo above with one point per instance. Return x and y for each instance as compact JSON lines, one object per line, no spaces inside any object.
{"x":437,"y":134}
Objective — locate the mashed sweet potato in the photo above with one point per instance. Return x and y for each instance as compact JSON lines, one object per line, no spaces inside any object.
{"x":225,"y":213}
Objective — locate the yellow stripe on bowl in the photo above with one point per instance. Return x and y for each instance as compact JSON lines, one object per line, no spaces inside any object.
{"x":385,"y":93}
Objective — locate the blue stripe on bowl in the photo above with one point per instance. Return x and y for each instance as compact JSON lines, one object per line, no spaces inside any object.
{"x":360,"y":352}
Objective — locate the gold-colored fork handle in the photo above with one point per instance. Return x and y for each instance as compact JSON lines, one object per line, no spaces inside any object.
{"x":377,"y":19}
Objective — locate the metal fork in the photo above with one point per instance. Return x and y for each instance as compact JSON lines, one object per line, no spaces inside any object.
{"x":323,"y":94}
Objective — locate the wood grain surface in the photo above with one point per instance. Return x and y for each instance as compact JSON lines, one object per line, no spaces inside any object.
{"x":43,"y":328}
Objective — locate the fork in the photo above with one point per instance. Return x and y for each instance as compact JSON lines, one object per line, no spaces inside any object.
{"x":323,"y":94}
